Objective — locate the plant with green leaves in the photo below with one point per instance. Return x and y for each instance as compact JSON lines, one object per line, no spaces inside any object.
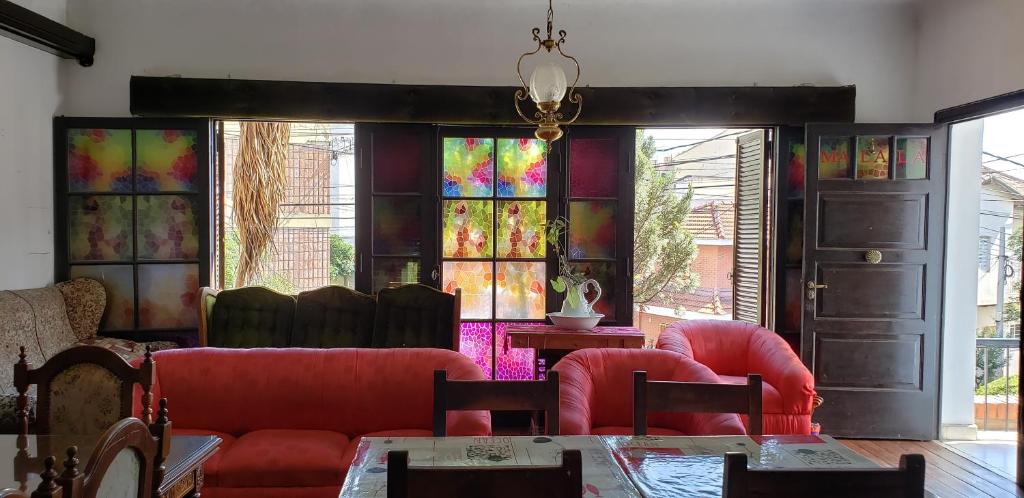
{"x":567,"y":279}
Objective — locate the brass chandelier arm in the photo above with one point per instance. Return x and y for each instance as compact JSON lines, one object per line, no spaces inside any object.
{"x":519,"y":64}
{"x":574,"y":96}
{"x":522,"y":95}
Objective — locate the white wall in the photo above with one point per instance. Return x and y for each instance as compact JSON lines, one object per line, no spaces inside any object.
{"x":968,"y":50}
{"x":869,"y":43}
{"x":29,"y":97}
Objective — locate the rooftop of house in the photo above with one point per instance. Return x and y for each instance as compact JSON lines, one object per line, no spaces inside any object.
{"x":712,"y":220}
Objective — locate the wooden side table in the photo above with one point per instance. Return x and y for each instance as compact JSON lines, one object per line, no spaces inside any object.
{"x":554,"y":342}
{"x":184,"y":477}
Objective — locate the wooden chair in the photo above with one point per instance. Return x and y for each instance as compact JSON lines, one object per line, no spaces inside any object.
{"x":564,"y":481}
{"x":82,"y":390}
{"x":907,"y":481}
{"x":695,"y":397}
{"x":121,"y":464}
{"x":417,"y":316}
{"x":495,"y":395}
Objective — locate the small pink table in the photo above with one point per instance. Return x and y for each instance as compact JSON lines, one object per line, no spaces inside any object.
{"x":550,"y":337}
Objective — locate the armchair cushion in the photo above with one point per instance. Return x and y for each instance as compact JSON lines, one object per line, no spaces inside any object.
{"x":251,"y":317}
{"x":284,"y":457}
{"x":596,"y":396}
{"x":85,"y":300}
{"x":413,"y":316}
{"x":333,"y":317}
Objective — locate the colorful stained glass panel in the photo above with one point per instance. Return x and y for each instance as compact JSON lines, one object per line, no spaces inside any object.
{"x":100,"y":228}
{"x":512,"y":363}
{"x":520,"y":290}
{"x":593,"y":170}
{"x":833,"y":158}
{"x":475,"y":340}
{"x":792,"y":310}
{"x":476,"y":279}
{"x":911,"y":159}
{"x":795,"y":233}
{"x":120,"y":286}
{"x":468,"y":229}
{"x":521,"y":229}
{"x":468,"y":167}
{"x":167,"y":161}
{"x":604,"y":273}
{"x":591,"y":229}
{"x":796,"y":168}
{"x":390,"y":272}
{"x":872,"y":158}
{"x":168,"y":296}
{"x":396,"y":226}
{"x":99,"y":160}
{"x":522,"y":167}
{"x":167,"y":227}
{"x":399,"y":157}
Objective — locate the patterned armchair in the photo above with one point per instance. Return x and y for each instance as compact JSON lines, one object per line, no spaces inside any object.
{"x":416,"y":316}
{"x":333,"y":317}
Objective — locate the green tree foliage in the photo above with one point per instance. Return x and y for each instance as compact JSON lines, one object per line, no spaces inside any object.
{"x":343,"y":262}
{"x":662,"y":247}
{"x":232,"y":254}
{"x":999,"y":386}
{"x":991,"y":359}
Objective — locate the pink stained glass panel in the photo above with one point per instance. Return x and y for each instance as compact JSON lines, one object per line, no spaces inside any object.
{"x":476,"y":279}
{"x":399,"y":157}
{"x":168,"y":296}
{"x":119,"y":283}
{"x":475,"y":340}
{"x":167,"y":227}
{"x":167,"y":161}
{"x":468,"y":165}
{"x":522,"y":167}
{"x":100,"y":228}
{"x":396,"y":226}
{"x":520,"y":290}
{"x":521,"y":229}
{"x":512,"y":363}
{"x":99,"y":160}
{"x":468,"y":230}
{"x":604,"y":273}
{"x":593,"y":167}
{"x":591,"y":229}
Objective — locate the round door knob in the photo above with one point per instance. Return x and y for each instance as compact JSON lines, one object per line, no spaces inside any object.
{"x":873,"y":256}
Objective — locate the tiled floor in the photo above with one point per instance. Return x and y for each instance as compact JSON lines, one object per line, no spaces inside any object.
{"x":996,"y":450}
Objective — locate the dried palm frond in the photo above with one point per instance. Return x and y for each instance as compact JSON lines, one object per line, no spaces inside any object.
{"x":259,"y":184}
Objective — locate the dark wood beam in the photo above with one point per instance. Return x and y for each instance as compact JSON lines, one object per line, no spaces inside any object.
{"x":982,"y":108}
{"x":361,"y":102}
{"x":35,"y":30}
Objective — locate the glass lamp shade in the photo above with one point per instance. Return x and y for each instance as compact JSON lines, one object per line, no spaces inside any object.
{"x":547,"y":83}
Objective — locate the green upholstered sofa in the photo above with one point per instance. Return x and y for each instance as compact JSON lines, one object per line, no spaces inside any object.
{"x":329,"y":317}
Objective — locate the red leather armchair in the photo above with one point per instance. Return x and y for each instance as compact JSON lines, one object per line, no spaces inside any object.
{"x":733,"y":349}
{"x":596,"y":394}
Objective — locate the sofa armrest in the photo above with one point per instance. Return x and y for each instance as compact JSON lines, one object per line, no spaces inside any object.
{"x":575,"y":392}
{"x":770,"y":356}
{"x":207,"y":298}
{"x":673,"y":339}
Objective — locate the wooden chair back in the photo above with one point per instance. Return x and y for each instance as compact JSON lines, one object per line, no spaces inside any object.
{"x":92,"y":380}
{"x":564,"y":481}
{"x":534,"y":395}
{"x":695,"y":397}
{"x":121,"y":464}
{"x":907,"y":481}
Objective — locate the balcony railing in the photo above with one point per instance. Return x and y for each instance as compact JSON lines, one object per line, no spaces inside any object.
{"x":995,"y":403}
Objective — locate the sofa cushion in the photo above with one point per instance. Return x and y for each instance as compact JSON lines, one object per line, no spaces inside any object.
{"x":284,"y":457}
{"x":85,"y":300}
{"x":251,"y":317}
{"x":333,"y":317}
{"x":50,"y":318}
{"x":353,"y":447}
{"x":211,"y":469}
{"x":414,"y":316}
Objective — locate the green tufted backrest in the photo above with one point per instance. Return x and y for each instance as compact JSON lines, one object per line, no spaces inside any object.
{"x":333,"y":317}
{"x":251,"y":317}
{"x":414,"y":316}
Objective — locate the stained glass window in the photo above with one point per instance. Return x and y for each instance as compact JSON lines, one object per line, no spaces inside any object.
{"x":521,"y":229}
{"x":833,"y":158}
{"x":100,"y":228}
{"x":468,"y":165}
{"x":398,"y":158}
{"x":872,"y":158}
{"x":511,"y":363}
{"x":520,"y":290}
{"x":167,"y":161}
{"x":475,"y":341}
{"x":522,"y":167}
{"x":119,"y":282}
{"x":604,"y":273}
{"x":396,"y":226}
{"x":468,"y":229}
{"x":99,"y":160}
{"x":168,"y":295}
{"x":796,"y":168}
{"x":167,"y":227}
{"x":911,"y":159}
{"x":476,"y":279}
{"x":593,"y":167}
{"x":390,"y":272}
{"x":591,"y":229}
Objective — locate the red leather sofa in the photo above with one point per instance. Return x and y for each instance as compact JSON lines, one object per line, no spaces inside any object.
{"x":290,"y":419}
{"x":596,"y":394}
{"x":733,"y":349}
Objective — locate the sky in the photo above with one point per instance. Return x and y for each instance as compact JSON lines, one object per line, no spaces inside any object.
{"x":1004,"y":136}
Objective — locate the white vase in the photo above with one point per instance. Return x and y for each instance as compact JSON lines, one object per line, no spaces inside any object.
{"x":582,"y":307}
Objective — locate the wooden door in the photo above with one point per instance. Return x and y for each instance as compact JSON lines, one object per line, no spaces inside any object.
{"x":873,"y":278}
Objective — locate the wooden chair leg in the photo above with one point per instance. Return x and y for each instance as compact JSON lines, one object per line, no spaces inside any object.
{"x":640,"y":403}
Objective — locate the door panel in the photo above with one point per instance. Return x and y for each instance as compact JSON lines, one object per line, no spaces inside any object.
{"x":873,"y":248}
